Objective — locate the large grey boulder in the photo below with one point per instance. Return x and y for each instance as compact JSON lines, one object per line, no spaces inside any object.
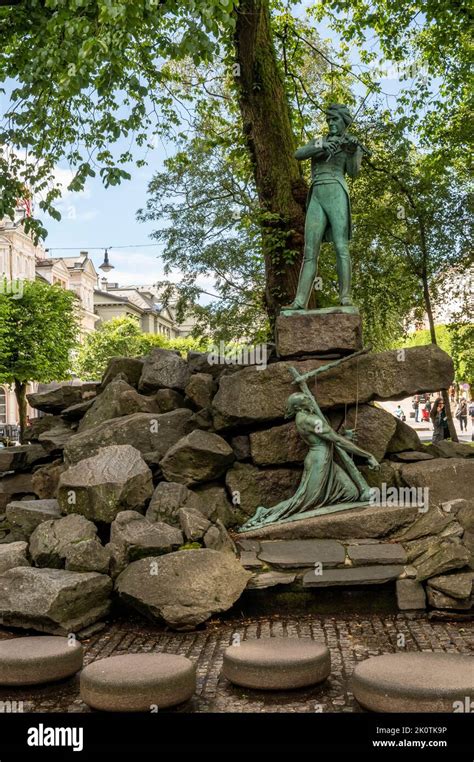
{"x":133,"y":537}
{"x":374,"y":427}
{"x":167,"y":500}
{"x":147,"y":432}
{"x":13,"y":554}
{"x":184,"y":588}
{"x":116,"y":479}
{"x":444,"y":478}
{"x":77,"y":411}
{"x":440,"y":600}
{"x":252,"y":396}
{"x":218,"y":538}
{"x":128,"y":368}
{"x":305,"y":334}
{"x":62,"y":396}
{"x":200,"y":390}
{"x":53,"y":600}
{"x":37,"y":426}
{"x":199,"y":457}
{"x":164,"y":368}
{"x":249,"y":486}
{"x":118,"y":399}
{"x":25,"y":515}
{"x":69,"y":542}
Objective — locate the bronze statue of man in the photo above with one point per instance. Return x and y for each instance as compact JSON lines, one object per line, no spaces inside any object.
{"x":328,"y":214}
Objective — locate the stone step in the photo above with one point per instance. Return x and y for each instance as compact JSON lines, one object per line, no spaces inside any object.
{"x":356,"y":575}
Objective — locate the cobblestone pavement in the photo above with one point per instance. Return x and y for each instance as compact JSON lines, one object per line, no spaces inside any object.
{"x":351,"y":639}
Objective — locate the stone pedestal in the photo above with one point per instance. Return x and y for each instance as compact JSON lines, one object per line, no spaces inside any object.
{"x":308,"y":333}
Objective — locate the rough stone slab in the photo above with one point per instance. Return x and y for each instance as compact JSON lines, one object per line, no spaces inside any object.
{"x":118,"y":399}
{"x":410,"y":595}
{"x":454,"y":585}
{"x":270,"y":579}
{"x":429,"y":523}
{"x":445,"y":478}
{"x":133,"y":537}
{"x":413,"y":682}
{"x":167,"y":500}
{"x":164,"y":368}
{"x":40,"y":659}
{"x":62,"y":396}
{"x":53,"y":600}
{"x":448,"y":449}
{"x":404,"y":438}
{"x":45,"y":480}
{"x":25,"y":515}
{"x":147,"y":432}
{"x":250,"y":487}
{"x":198,"y":457}
{"x":439,"y":600}
{"x":250,"y":560}
{"x":375,"y":427}
{"x":115,"y":479}
{"x":294,"y":553}
{"x":372,"y":522}
{"x":215,"y":502}
{"x":13,"y":487}
{"x":252,"y":396}
{"x":21,"y":457}
{"x":306,"y":334}
{"x":385,"y":553}
{"x":442,"y":558}
{"x":280,"y":444}
{"x":356,"y":575}
{"x":412,"y":456}
{"x":276,"y":663}
{"x":52,"y":543}
{"x":13,"y":554}
{"x":128,"y":368}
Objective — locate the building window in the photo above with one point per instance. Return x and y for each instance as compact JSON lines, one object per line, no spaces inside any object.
{"x":3,"y":405}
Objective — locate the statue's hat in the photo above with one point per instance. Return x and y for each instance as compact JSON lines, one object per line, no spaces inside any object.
{"x":341,"y":110}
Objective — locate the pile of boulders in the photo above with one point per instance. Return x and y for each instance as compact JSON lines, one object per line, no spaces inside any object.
{"x":131,"y":489}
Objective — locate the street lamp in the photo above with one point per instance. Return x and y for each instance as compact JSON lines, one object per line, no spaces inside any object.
{"x":106,"y":267}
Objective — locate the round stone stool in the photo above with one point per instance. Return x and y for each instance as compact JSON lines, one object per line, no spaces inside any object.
{"x":137,"y":682}
{"x":413,"y":682}
{"x":274,"y":664}
{"x":38,"y":659}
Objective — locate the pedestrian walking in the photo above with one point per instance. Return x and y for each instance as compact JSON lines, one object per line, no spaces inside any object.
{"x":439,"y":420}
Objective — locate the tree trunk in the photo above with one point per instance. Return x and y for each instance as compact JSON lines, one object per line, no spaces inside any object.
{"x":444,"y":392}
{"x":267,"y":129}
{"x":20,"y":394}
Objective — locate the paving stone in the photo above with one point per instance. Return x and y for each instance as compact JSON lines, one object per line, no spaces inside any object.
{"x":408,"y":682}
{"x":276,"y":663}
{"x":385,"y":553}
{"x":350,"y":638}
{"x":294,"y":553}
{"x":356,"y":575}
{"x":38,"y":659}
{"x":410,"y":595}
{"x":138,"y":682}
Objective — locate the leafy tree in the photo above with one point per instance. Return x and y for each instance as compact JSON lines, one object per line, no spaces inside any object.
{"x":89,"y":73}
{"x":123,"y":337}
{"x":39,"y":329}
